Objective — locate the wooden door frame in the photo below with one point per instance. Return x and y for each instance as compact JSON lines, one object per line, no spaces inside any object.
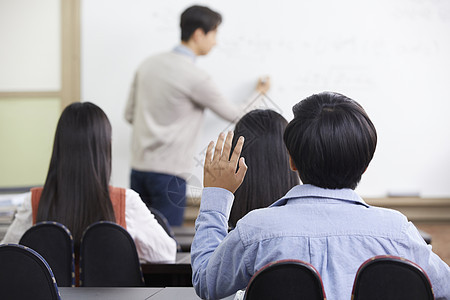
{"x":70,"y":48}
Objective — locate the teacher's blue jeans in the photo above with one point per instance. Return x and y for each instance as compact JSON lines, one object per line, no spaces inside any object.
{"x":166,"y":193}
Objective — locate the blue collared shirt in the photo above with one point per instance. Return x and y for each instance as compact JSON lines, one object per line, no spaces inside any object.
{"x":182,"y":49}
{"x":334,"y":230}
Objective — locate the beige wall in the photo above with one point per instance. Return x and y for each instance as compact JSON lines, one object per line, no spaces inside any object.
{"x":27,"y":129}
{"x":39,"y":76}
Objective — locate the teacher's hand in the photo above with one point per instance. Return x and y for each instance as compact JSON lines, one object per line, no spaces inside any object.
{"x":263,"y":85}
{"x":220,"y":169}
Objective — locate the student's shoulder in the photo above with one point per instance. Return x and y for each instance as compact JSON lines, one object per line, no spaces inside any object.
{"x":130,"y":195}
{"x":387,"y":213}
{"x":259,"y":217}
{"x":260,"y":224}
{"x":133,"y":201}
{"x":386,"y":217}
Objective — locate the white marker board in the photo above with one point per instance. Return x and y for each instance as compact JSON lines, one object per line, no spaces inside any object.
{"x":391,"y":56}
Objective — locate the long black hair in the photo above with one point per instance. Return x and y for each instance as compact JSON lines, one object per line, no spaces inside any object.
{"x":76,"y":190}
{"x":269,"y":176}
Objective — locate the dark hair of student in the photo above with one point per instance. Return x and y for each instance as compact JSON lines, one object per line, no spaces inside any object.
{"x":331,"y":140}
{"x":269,"y":176}
{"x":76,"y":190}
{"x":198,"y":17}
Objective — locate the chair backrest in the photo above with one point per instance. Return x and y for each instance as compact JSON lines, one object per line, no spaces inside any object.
{"x":390,"y":277}
{"x":54,"y":242}
{"x":24,"y":274}
{"x":108,"y":257}
{"x":286,"y":279}
{"x":162,"y":220}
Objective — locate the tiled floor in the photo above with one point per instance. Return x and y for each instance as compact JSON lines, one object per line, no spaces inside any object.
{"x":440,"y":238}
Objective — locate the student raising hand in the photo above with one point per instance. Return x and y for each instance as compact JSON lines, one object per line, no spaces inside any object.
{"x":220,"y":168}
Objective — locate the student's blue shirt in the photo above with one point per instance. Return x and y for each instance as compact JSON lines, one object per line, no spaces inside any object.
{"x":334,"y":230}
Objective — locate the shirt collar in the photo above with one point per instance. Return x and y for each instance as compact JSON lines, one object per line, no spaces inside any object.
{"x":182,"y":49}
{"x":311,"y":191}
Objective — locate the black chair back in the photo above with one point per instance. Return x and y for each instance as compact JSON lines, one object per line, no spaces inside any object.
{"x":286,"y":279}
{"x":162,"y":220}
{"x":24,"y":274}
{"x":390,"y":277}
{"x":108,"y":257}
{"x":54,"y":242}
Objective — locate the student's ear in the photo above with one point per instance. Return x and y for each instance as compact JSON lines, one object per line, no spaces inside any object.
{"x":291,"y":163}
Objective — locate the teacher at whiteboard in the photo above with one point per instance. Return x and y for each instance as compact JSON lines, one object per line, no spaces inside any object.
{"x":165,"y":107}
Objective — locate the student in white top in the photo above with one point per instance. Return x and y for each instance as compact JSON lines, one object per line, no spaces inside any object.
{"x":76,"y":192}
{"x":165,"y":107}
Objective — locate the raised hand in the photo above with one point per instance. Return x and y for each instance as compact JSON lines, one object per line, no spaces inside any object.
{"x":220,"y":168}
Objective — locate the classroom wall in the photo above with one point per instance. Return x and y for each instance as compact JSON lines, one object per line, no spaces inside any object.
{"x":27,"y":132}
{"x":391,"y":56}
{"x":30,"y":57}
{"x":30,"y":63}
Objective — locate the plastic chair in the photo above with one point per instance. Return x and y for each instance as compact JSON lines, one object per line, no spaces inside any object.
{"x":162,"y":220}
{"x":54,"y":242}
{"x":24,"y":274}
{"x":390,"y":277}
{"x":108,"y":257}
{"x":285,"y":279}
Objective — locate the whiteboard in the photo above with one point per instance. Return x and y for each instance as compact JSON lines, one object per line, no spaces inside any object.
{"x":393,"y":57}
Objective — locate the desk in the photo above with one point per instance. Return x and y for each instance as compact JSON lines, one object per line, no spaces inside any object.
{"x":169,"y":274}
{"x":110,"y":293}
{"x":175,"y":293}
{"x":131,"y":293}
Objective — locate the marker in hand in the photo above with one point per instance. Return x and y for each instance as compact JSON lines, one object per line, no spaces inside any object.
{"x":263,"y":84}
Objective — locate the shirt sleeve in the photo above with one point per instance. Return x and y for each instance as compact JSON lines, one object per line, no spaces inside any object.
{"x":131,"y":102}
{"x":23,"y":220}
{"x":419,"y":252}
{"x":218,"y":258}
{"x":206,"y":94}
{"x":153,"y":244}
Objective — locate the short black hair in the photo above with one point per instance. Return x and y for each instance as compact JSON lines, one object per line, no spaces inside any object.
{"x":198,"y":17}
{"x":331,"y":140}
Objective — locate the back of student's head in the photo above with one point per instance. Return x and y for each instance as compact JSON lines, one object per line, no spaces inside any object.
{"x":198,"y":17}
{"x":269,"y":176}
{"x":76,"y":189}
{"x":331,"y":140}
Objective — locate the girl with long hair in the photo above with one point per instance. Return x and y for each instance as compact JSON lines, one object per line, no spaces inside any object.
{"x":269,"y":176}
{"x":77,"y":193}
